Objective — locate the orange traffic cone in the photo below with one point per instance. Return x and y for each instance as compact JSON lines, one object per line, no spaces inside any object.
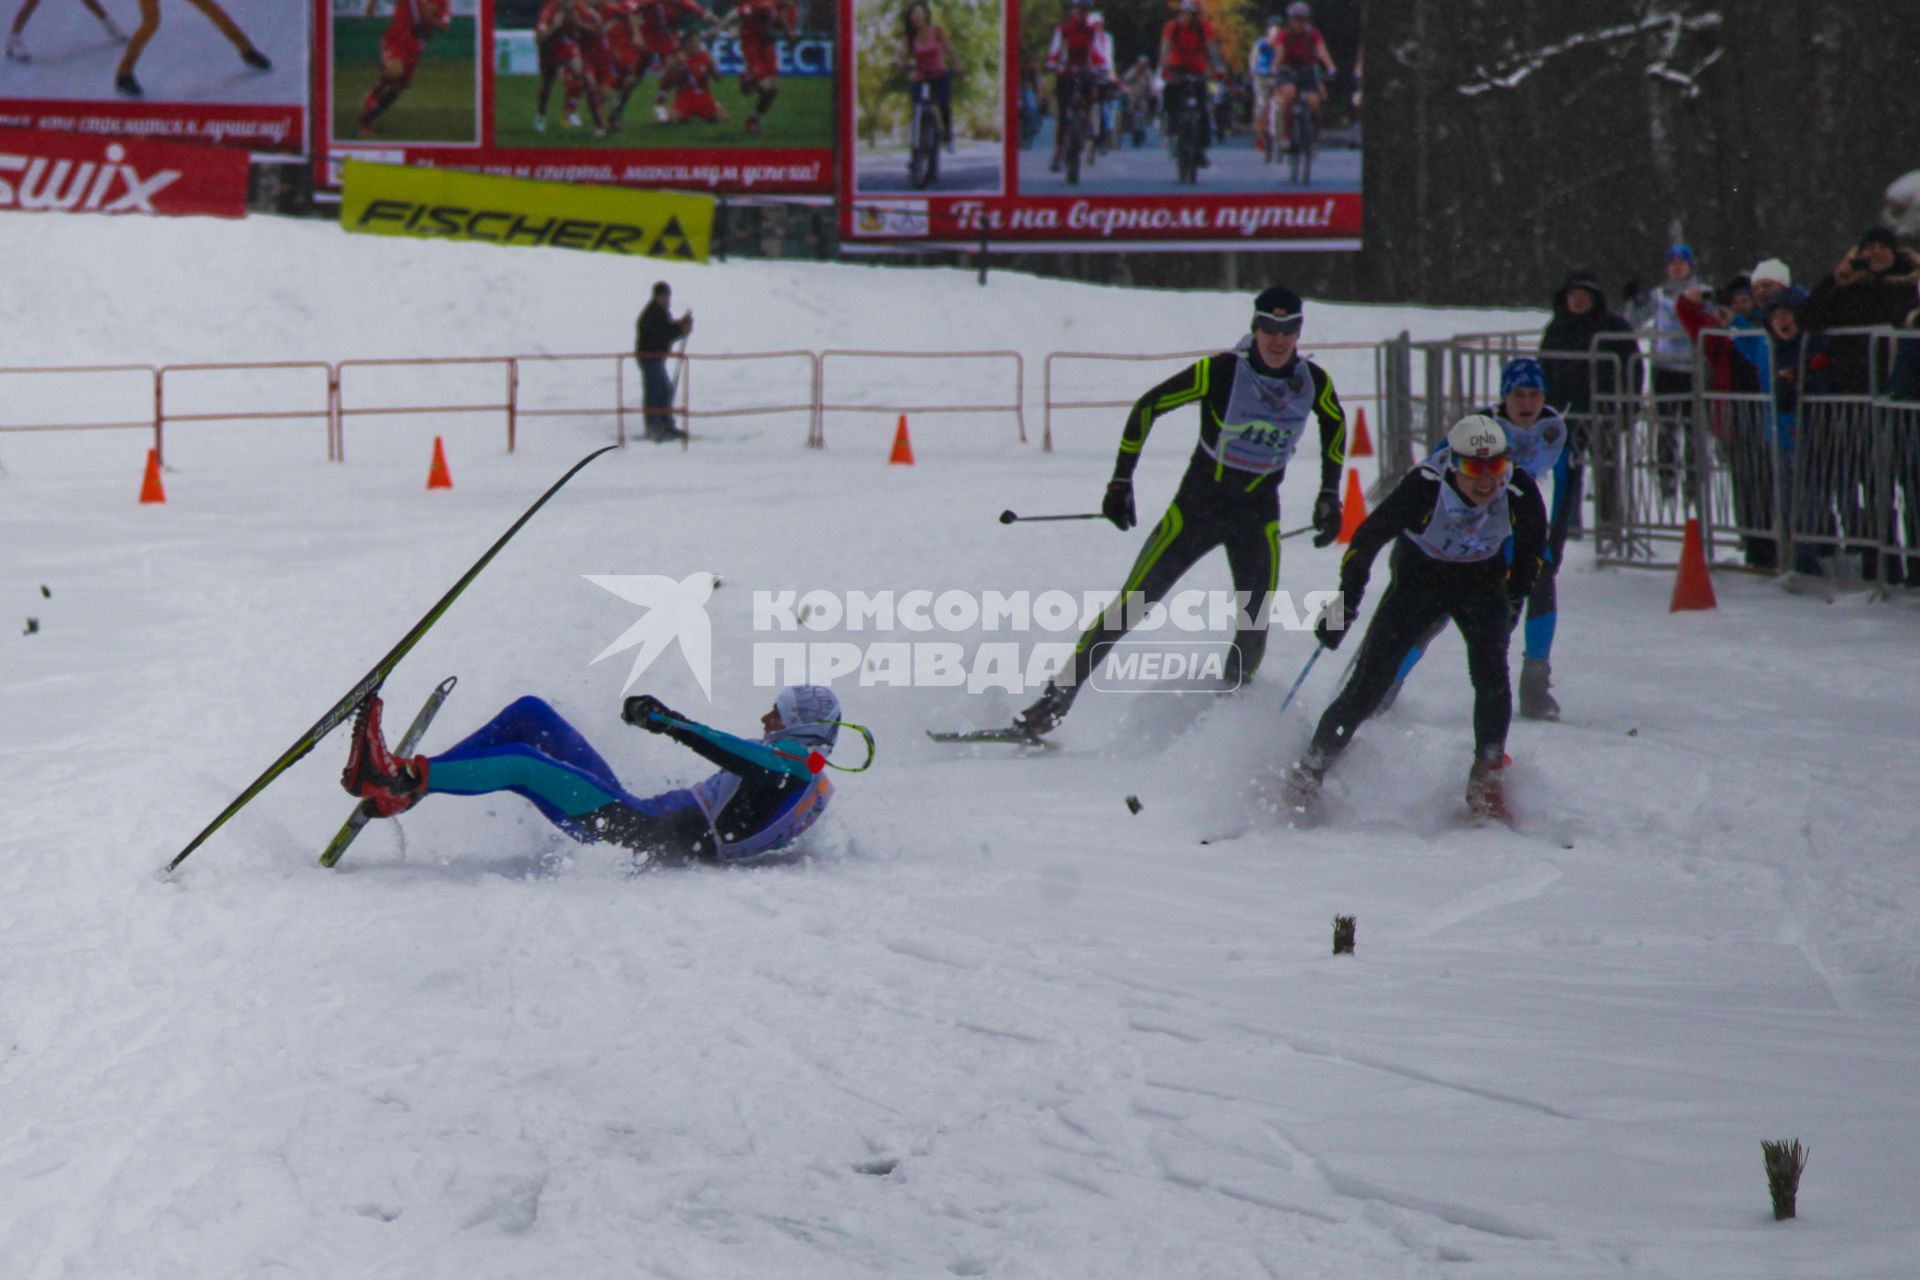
{"x":151,"y":490}
{"x":1362,"y":442}
{"x":1353,"y":508}
{"x":902,"y":446}
{"x":1692,"y":587}
{"x":438,"y":477}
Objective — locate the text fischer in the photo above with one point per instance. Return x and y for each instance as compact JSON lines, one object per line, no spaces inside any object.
{"x":502,"y":227}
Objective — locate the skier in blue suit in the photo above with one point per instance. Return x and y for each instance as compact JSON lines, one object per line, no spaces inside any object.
{"x":1537,"y":443}
{"x":764,"y":796}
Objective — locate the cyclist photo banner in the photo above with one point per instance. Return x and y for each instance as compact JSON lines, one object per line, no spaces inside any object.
{"x":1030,"y":124}
{"x":227,"y":73}
{"x":397,"y":200}
{"x":723,"y":97}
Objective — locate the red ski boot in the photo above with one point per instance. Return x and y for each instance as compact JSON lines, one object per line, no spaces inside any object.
{"x":1486,"y":799}
{"x":389,"y":786}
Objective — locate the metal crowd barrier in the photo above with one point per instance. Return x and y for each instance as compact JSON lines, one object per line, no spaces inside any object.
{"x":1828,"y":484}
{"x":1016,"y":406}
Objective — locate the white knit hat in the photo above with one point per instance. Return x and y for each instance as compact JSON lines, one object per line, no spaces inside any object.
{"x":1772,"y":269}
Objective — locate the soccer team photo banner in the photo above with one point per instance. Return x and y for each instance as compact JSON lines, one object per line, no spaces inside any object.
{"x":1029,"y":124}
{"x":445,"y":204}
{"x":231,"y":73}
{"x":730,"y":97}
{"x":43,"y":171}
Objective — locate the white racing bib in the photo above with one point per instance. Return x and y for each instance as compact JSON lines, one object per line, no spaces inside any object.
{"x":1461,"y":533}
{"x":1264,"y":417}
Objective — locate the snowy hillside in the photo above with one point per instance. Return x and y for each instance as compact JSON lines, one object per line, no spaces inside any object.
{"x":991,"y":1023}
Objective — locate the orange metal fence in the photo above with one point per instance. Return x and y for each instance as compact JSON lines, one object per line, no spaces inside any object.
{"x":1049,"y":403}
{"x":749,"y":384}
{"x":149,"y":394}
{"x":1016,"y":406}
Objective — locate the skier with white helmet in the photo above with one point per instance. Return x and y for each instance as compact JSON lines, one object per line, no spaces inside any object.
{"x":765,"y":795}
{"x":1537,"y":444}
{"x":1450,"y":520}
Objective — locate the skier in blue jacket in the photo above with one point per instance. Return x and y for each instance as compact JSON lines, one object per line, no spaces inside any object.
{"x":765,"y":795}
{"x":1537,"y":443}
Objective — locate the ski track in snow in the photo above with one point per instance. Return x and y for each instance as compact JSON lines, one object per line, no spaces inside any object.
{"x":987,"y":1022}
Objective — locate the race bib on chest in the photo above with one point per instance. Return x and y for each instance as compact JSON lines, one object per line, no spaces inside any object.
{"x":1264,"y":418}
{"x":1461,"y":533}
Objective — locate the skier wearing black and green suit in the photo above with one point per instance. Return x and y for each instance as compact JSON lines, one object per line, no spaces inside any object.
{"x":1254,"y":401}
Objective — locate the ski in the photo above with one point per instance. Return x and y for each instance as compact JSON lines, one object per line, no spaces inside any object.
{"x":363,"y":812}
{"x":1009,"y":735}
{"x":371,"y":682}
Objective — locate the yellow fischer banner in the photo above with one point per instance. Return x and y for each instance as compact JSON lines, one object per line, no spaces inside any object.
{"x":445,"y":204}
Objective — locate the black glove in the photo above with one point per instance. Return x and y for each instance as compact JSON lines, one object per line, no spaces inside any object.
{"x":1516,"y":609}
{"x":1630,"y":293}
{"x":641,"y":709}
{"x":1326,"y":519}
{"x":1323,"y":629}
{"x":1117,"y":506}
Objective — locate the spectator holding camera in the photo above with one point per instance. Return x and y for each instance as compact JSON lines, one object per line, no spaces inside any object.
{"x":1872,"y":285}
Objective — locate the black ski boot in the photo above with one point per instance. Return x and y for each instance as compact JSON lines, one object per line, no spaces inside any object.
{"x":1535,"y":702}
{"x":1046,"y":714}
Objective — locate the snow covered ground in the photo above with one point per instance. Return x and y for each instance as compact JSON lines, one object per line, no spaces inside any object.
{"x":992,"y":1023}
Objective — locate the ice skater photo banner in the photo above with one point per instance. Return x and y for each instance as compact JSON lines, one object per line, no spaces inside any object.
{"x":1026,"y":124}
{"x":718,"y":96}
{"x":233,"y":73}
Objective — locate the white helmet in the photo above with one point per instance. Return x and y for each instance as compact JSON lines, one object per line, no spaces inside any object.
{"x":1477,"y":436}
{"x":809,"y":713}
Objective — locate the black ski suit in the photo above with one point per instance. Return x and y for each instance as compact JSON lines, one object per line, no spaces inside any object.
{"x":1476,"y":587}
{"x":1251,"y":419}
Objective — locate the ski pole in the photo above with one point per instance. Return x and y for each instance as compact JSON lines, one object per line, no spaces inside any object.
{"x":1301,"y":679}
{"x":1008,"y":517}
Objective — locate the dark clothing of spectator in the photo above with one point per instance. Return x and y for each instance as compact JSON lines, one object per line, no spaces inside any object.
{"x":1573,"y":380}
{"x":1906,"y":443}
{"x":1572,"y":383}
{"x":1872,"y":298}
{"x":1906,"y":361}
{"x":654,"y":336}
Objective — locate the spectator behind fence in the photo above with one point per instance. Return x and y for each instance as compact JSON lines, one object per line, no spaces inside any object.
{"x":1872,"y":285}
{"x":1739,"y":435}
{"x":1906,"y":452}
{"x":1699,"y":309}
{"x":1769,"y":277}
{"x":1791,"y":364}
{"x":1906,"y":372}
{"x":1580,"y":316}
{"x":1671,"y":360}
{"x":654,"y":335}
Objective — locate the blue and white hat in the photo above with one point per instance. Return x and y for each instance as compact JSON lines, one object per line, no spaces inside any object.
{"x":809,"y":714}
{"x":1523,"y":372}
